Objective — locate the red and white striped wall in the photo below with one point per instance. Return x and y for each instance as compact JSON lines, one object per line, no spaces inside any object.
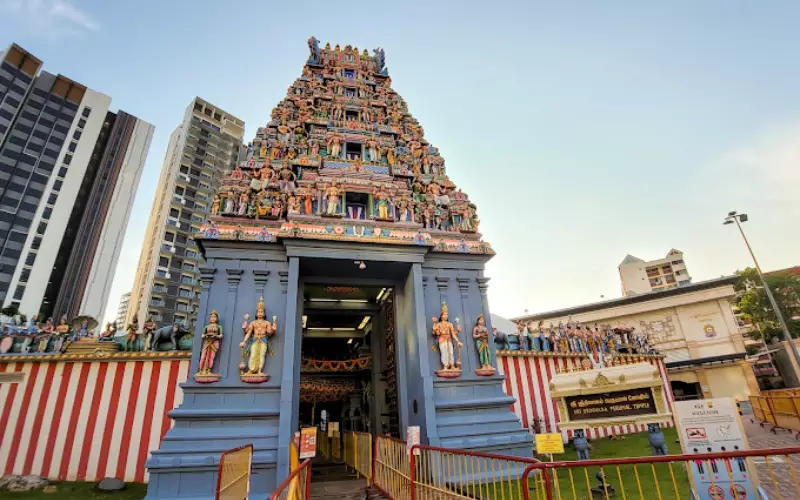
{"x":528,"y":380}
{"x":84,"y":421}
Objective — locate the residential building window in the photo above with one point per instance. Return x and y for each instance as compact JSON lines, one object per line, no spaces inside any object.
{"x":191,"y":254}
{"x":184,"y":292}
{"x":86,"y":112}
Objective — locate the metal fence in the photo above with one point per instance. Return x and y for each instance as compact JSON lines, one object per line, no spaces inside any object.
{"x":358,"y":452}
{"x":323,"y":444}
{"x":390,"y":467}
{"x":780,"y":409}
{"x":233,"y":476}
{"x":297,"y":486}
{"x":668,"y":477}
{"x":444,"y":473}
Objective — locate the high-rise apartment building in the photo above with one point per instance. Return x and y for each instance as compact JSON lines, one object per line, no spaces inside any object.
{"x":639,"y":276}
{"x":122,"y":309}
{"x":68,"y":171}
{"x":205,"y":145}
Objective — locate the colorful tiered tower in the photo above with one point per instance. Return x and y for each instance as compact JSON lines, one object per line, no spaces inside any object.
{"x":343,"y":159}
{"x":341,"y":175}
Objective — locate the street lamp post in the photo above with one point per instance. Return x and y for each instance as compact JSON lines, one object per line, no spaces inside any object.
{"x":736,"y":218}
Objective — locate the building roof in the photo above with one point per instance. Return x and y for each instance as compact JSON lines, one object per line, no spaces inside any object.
{"x":645,"y":297}
{"x":630,"y":259}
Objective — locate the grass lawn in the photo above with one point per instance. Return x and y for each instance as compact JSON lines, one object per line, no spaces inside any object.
{"x":655,"y":482}
{"x":79,"y":491}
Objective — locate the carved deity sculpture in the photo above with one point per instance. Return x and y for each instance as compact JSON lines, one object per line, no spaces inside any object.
{"x":287,"y":178}
{"x":211,"y":336}
{"x":244,"y":201}
{"x":256,"y":345}
{"x":47,"y":332}
{"x":534,"y":340}
{"x":215,"y":205}
{"x":481,"y":335}
{"x":381,"y":198}
{"x":446,"y":334}
{"x":107,"y":335}
{"x":148,"y":329}
{"x":132,"y":330}
{"x":334,"y":145}
{"x":82,"y":332}
{"x":372,"y":149}
{"x":332,"y":199}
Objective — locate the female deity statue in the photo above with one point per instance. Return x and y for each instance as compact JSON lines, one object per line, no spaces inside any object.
{"x":308,"y":202}
{"x":332,"y":197}
{"x":546,"y":338}
{"x":107,"y":335}
{"x":63,"y":326}
{"x":256,"y":345}
{"x":445,"y":332}
{"x":212,"y":335}
{"x":287,"y":178}
{"x":481,"y":335}
{"x":314,"y":148}
{"x":563,"y":339}
{"x":404,"y":207}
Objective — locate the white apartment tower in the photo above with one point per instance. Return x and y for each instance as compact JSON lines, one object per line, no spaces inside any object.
{"x":639,"y":276}
{"x":205,"y":145}
{"x":68,"y":171}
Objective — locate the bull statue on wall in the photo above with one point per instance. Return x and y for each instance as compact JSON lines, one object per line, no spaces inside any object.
{"x":169,"y":333}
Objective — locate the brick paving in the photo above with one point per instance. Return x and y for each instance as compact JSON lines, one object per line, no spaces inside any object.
{"x":785,"y":472}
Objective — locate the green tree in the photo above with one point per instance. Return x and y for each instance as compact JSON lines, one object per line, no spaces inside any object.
{"x":753,"y":303}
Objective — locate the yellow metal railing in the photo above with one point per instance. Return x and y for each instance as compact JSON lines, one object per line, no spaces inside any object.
{"x":777,"y":409}
{"x":233,"y":475}
{"x":336,"y":448}
{"x":323,"y":444}
{"x":358,"y":452}
{"x":438,"y":473}
{"x":391,"y":468}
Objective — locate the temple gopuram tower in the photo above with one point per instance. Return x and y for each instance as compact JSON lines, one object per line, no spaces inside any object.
{"x":341,"y":209}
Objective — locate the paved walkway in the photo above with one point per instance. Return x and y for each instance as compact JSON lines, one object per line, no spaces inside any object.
{"x":779,"y":471}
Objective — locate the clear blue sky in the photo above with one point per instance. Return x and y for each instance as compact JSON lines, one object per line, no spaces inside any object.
{"x":584,"y":131}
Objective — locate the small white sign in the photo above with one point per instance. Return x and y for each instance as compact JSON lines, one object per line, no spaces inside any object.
{"x":412,"y":438}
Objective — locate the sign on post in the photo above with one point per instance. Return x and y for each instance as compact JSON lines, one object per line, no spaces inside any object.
{"x":713,"y":426}
{"x":412,"y":438}
{"x":308,"y":442}
{"x":548,"y":444}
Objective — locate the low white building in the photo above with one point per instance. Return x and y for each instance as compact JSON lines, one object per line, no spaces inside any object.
{"x":693,"y":326}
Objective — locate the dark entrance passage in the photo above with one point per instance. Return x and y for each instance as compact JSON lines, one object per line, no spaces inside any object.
{"x":347,"y":370}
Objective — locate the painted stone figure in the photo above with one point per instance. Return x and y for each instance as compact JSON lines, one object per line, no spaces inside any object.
{"x":534,"y":341}
{"x":332,"y":199}
{"x":212,"y":336}
{"x":372,"y":149}
{"x":107,"y":335}
{"x":148,"y":329}
{"x":381,"y":198}
{"x":481,"y":335}
{"x":446,"y":334}
{"x":334,"y":145}
{"x":132,"y":330}
{"x":256,"y":346}
{"x":47,"y":332}
{"x":82,"y":332}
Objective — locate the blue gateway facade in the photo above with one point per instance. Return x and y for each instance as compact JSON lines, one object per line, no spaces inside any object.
{"x":340,"y":194}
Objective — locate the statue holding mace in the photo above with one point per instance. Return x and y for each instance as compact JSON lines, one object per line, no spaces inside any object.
{"x":446,"y":334}
{"x":255,"y":345}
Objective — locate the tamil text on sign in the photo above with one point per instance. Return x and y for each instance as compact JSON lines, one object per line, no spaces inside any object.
{"x":611,"y":404}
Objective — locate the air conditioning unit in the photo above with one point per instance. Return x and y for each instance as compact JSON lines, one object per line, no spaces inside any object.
{"x":177,"y":224}
{"x":183,"y":201}
{"x":172,"y":249}
{"x":168,"y":275}
{"x":186,"y":178}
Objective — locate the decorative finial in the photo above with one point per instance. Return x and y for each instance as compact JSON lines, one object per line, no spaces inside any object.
{"x":444,"y":306}
{"x":261,"y":304}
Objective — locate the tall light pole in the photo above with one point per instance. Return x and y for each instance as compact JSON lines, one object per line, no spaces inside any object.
{"x":736,"y":218}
